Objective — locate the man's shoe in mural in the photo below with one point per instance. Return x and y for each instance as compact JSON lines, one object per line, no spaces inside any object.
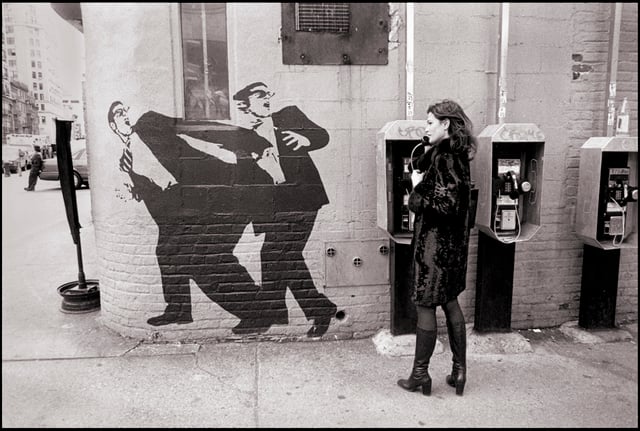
{"x":321,"y":324}
{"x":169,"y":317}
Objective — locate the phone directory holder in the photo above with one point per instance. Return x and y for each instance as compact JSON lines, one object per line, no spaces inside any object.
{"x":507,"y":170}
{"x":607,"y":207}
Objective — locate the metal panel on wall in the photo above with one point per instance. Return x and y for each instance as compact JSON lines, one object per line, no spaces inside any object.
{"x":310,"y":34}
{"x":356,"y":263}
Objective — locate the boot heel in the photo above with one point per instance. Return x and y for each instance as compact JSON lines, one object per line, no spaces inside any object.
{"x":426,"y":388}
{"x":459,"y":388}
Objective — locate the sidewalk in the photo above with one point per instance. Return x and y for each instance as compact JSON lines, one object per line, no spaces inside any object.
{"x":67,"y":370}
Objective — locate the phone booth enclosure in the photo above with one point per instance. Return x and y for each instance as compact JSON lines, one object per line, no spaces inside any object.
{"x":604,"y":160}
{"x":509,"y":147}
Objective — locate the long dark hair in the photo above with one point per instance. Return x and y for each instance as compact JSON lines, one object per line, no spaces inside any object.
{"x":462,"y":140}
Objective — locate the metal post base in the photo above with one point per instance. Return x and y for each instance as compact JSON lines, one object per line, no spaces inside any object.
{"x":80,"y":300}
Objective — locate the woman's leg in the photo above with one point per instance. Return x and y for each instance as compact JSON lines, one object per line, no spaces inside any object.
{"x":426,"y":335}
{"x":457,"y":331}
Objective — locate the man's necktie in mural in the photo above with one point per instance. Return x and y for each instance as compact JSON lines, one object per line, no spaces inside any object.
{"x":260,"y":173}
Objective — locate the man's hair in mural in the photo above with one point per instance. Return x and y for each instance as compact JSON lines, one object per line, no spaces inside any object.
{"x":244,"y":93}
{"x":110,"y":113}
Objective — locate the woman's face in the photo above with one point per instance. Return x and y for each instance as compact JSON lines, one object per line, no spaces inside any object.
{"x":436,"y":130}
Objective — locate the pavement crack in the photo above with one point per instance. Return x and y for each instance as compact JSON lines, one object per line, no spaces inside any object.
{"x":132,"y":348}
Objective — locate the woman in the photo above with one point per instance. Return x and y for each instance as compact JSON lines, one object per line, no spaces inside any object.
{"x":440,"y":201}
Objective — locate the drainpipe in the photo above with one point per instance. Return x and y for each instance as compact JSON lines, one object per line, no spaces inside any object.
{"x":409,"y":65}
{"x":612,"y":67}
{"x":502,"y":63}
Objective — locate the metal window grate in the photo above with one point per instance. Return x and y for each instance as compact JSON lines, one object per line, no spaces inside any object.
{"x":323,"y":17}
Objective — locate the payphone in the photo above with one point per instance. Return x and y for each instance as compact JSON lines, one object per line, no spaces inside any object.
{"x":507,"y":170}
{"x":607,"y":213}
{"x":606,"y":220}
{"x":398,"y":144}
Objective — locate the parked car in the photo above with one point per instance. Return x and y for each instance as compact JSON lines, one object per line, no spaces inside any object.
{"x":80,"y":169}
{"x":11,"y":156}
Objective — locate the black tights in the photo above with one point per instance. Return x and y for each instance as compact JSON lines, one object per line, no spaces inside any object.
{"x":427,"y":315}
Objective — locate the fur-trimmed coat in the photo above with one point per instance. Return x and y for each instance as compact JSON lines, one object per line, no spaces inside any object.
{"x":440,"y":240}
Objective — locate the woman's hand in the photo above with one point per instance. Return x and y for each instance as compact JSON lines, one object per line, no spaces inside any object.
{"x":416,"y":177}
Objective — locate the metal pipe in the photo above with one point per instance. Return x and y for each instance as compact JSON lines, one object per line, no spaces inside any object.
{"x":502,"y":63}
{"x":409,"y":66}
{"x":205,"y":62}
{"x":612,"y":67}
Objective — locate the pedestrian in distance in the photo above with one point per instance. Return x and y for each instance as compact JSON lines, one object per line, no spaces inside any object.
{"x":21,"y":155}
{"x":440,"y":200}
{"x":36,"y":168}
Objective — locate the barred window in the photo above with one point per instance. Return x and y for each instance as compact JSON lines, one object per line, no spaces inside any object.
{"x":205,"y":62}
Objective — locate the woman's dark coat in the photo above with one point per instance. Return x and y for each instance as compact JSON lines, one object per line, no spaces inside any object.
{"x":441,"y":231}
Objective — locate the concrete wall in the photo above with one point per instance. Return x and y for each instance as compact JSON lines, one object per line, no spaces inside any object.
{"x":456,"y":52}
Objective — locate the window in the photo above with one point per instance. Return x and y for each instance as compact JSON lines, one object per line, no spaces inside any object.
{"x":33,"y":75}
{"x":35,"y":86}
{"x":43,"y":120}
{"x":11,"y":40}
{"x":39,"y":75}
{"x":33,"y":63}
{"x":39,"y":65}
{"x":42,"y":108}
{"x":335,"y":33}
{"x":204,"y":54}
{"x":40,"y":86}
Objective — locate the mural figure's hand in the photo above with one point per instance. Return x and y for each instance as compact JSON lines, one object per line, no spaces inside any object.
{"x":269,"y":163}
{"x":134,"y":194}
{"x":295,"y":138}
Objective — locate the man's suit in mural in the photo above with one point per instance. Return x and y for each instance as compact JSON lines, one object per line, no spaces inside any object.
{"x":287,"y":228}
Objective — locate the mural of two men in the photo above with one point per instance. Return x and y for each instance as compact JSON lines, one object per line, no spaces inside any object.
{"x":227,"y":177}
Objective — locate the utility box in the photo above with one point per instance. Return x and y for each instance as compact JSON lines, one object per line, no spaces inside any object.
{"x":507,"y":170}
{"x":607,"y":210}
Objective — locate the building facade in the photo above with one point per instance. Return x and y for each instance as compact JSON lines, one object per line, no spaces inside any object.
{"x":33,"y":49}
{"x":194,"y":243}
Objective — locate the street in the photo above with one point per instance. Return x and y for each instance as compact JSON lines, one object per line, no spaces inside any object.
{"x":67,"y":370}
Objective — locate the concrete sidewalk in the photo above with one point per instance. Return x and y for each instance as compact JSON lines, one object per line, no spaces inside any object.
{"x":68,"y":370}
{"x":89,"y":377}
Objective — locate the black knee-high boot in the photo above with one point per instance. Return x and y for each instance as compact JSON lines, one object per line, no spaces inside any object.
{"x":458,"y":343}
{"x":425,"y":344}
